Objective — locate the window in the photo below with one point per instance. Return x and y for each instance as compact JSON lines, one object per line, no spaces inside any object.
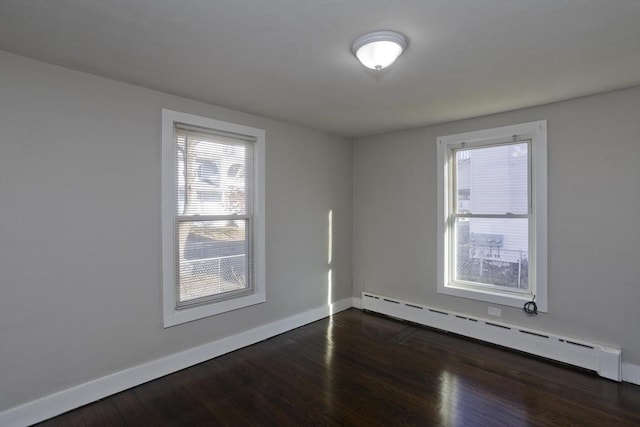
{"x":492,"y":188}
{"x":213,"y":223}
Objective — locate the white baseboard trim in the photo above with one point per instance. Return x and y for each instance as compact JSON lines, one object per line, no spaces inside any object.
{"x":357,"y":303}
{"x":631,"y":373}
{"x":600,"y":358}
{"x":74,"y":397}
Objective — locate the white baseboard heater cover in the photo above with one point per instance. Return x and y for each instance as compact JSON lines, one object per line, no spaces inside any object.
{"x":605,"y":360}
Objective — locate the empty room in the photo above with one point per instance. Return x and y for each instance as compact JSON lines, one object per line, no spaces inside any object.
{"x":305,"y":212}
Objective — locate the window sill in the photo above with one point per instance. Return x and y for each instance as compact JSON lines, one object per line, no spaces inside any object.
{"x":491,"y":296}
{"x":174,"y":317}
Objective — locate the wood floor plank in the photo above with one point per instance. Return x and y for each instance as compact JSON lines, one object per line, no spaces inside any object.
{"x":358,"y":368}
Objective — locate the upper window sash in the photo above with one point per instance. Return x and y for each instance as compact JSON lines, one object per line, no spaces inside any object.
{"x":195,"y":146}
{"x":452,"y":198}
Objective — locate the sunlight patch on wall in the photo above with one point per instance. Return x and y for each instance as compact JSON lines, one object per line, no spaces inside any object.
{"x":330,"y":260}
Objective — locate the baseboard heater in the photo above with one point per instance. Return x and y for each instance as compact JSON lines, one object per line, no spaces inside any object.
{"x":605,"y":360}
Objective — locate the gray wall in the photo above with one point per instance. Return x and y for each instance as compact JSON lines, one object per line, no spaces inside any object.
{"x":80,"y":272}
{"x":80,"y":256}
{"x":594,"y":217}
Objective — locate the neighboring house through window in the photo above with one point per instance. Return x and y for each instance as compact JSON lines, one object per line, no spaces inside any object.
{"x":492,"y":188}
{"x":213,"y":222}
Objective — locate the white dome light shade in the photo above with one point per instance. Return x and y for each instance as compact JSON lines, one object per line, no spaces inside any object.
{"x":379,"y":49}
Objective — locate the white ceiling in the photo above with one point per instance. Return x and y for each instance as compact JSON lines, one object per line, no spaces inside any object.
{"x":290,"y":59}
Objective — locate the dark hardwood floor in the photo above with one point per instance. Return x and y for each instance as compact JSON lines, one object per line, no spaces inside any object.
{"x":363,"y":369}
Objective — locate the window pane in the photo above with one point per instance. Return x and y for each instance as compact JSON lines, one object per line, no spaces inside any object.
{"x":493,"y":180}
{"x":492,"y":251}
{"x":211,"y":178}
{"x":213,"y":258}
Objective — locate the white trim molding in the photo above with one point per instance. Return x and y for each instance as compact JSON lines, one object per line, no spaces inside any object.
{"x":534,"y":134}
{"x":600,"y":358}
{"x":357,"y":303}
{"x":631,"y":373}
{"x":172,"y":313}
{"x":74,"y":397}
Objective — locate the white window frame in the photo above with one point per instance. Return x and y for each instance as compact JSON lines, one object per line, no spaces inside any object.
{"x":171,"y":314}
{"x":536,"y":132}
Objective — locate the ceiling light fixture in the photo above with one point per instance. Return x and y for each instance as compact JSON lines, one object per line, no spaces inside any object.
{"x":379,"y":49}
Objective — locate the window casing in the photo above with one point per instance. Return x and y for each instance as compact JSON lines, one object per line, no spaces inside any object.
{"x":492,"y":215}
{"x":213,"y":223}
